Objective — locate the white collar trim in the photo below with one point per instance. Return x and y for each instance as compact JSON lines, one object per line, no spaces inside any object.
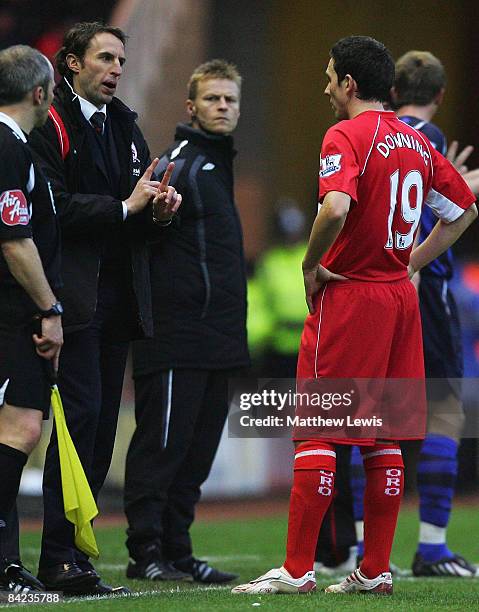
{"x":13,"y":125}
{"x":87,"y":108}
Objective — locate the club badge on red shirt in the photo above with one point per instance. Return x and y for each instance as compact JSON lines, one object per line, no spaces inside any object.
{"x":14,"y":208}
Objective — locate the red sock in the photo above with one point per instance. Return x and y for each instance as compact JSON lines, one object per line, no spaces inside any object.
{"x":312,"y":492}
{"x":384,"y":488}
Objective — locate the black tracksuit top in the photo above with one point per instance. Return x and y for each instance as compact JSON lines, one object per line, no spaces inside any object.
{"x":197,"y":264}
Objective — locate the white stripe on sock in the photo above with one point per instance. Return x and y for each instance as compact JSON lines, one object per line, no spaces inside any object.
{"x":359,"y":526}
{"x":431,"y":534}
{"x":385,"y":451}
{"x":318,"y":451}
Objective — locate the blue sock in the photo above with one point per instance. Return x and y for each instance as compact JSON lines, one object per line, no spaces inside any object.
{"x":434,"y":552}
{"x":436,"y":478}
{"x":358,"y":485}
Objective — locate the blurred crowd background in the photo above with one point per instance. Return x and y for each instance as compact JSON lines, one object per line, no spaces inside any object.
{"x":281,"y":49}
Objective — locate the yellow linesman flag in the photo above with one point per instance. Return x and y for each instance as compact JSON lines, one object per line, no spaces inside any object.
{"x":80,"y":506}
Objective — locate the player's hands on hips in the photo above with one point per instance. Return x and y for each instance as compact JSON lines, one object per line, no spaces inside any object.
{"x":166,"y":201}
{"x":49,"y":344}
{"x":311,"y":287}
{"x":314,"y":279}
{"x":144,"y":190}
{"x":411,"y":271}
{"x":414,"y":276}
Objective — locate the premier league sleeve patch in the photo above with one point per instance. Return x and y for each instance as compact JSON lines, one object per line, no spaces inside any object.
{"x":329,"y":165}
{"x":14,"y":208}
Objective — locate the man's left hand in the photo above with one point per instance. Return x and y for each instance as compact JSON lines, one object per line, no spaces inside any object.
{"x":458,"y":160}
{"x":314,"y":279}
{"x":167,"y":201}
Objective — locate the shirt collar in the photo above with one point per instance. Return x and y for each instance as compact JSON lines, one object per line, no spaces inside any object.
{"x":88,"y":109}
{"x":13,"y":125}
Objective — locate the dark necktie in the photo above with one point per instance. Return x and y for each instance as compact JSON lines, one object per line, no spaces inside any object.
{"x":97,"y":120}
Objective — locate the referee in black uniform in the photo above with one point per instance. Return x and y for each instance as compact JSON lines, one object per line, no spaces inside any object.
{"x":29,"y":273}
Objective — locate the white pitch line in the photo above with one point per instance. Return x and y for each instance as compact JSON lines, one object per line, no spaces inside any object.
{"x":211,"y":559}
{"x":219,"y":558}
{"x":135,"y":594}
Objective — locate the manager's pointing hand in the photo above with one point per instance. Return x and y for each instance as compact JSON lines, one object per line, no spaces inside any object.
{"x":144,"y":191}
{"x":166,"y":201}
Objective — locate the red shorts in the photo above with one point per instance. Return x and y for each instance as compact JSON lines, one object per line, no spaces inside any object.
{"x":366,"y":330}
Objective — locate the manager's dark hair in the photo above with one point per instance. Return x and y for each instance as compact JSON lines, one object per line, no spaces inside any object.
{"x":77,"y":40}
{"x":368,"y":62}
{"x":21,"y":70}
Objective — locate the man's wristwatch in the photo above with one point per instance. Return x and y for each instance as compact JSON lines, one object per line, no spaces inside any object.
{"x":55,"y":311}
{"x":161,"y":223}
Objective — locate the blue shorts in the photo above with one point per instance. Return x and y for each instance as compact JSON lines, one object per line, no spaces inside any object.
{"x":441,"y":331}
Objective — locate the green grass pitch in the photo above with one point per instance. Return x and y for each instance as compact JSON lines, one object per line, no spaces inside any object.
{"x":255,"y":545}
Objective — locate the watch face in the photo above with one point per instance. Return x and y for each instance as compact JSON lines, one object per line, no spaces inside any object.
{"x":55,"y":310}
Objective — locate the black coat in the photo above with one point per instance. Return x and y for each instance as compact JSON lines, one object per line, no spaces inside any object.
{"x":197,"y":269}
{"x":90,"y":210}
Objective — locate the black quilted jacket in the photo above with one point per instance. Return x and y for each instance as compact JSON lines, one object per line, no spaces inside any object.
{"x":197,"y":268}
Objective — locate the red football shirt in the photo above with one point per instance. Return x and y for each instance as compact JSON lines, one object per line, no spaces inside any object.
{"x":390,"y":170}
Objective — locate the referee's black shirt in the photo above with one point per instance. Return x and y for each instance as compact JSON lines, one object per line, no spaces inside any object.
{"x":27,"y":209}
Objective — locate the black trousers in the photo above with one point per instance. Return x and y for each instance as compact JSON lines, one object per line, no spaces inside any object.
{"x":180,"y":415}
{"x":92,"y":366}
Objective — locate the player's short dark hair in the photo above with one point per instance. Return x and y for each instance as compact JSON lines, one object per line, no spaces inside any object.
{"x":420,"y":77}
{"x":370,"y":64}
{"x":214,"y":69}
{"x":21,"y":70}
{"x":77,"y":41}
